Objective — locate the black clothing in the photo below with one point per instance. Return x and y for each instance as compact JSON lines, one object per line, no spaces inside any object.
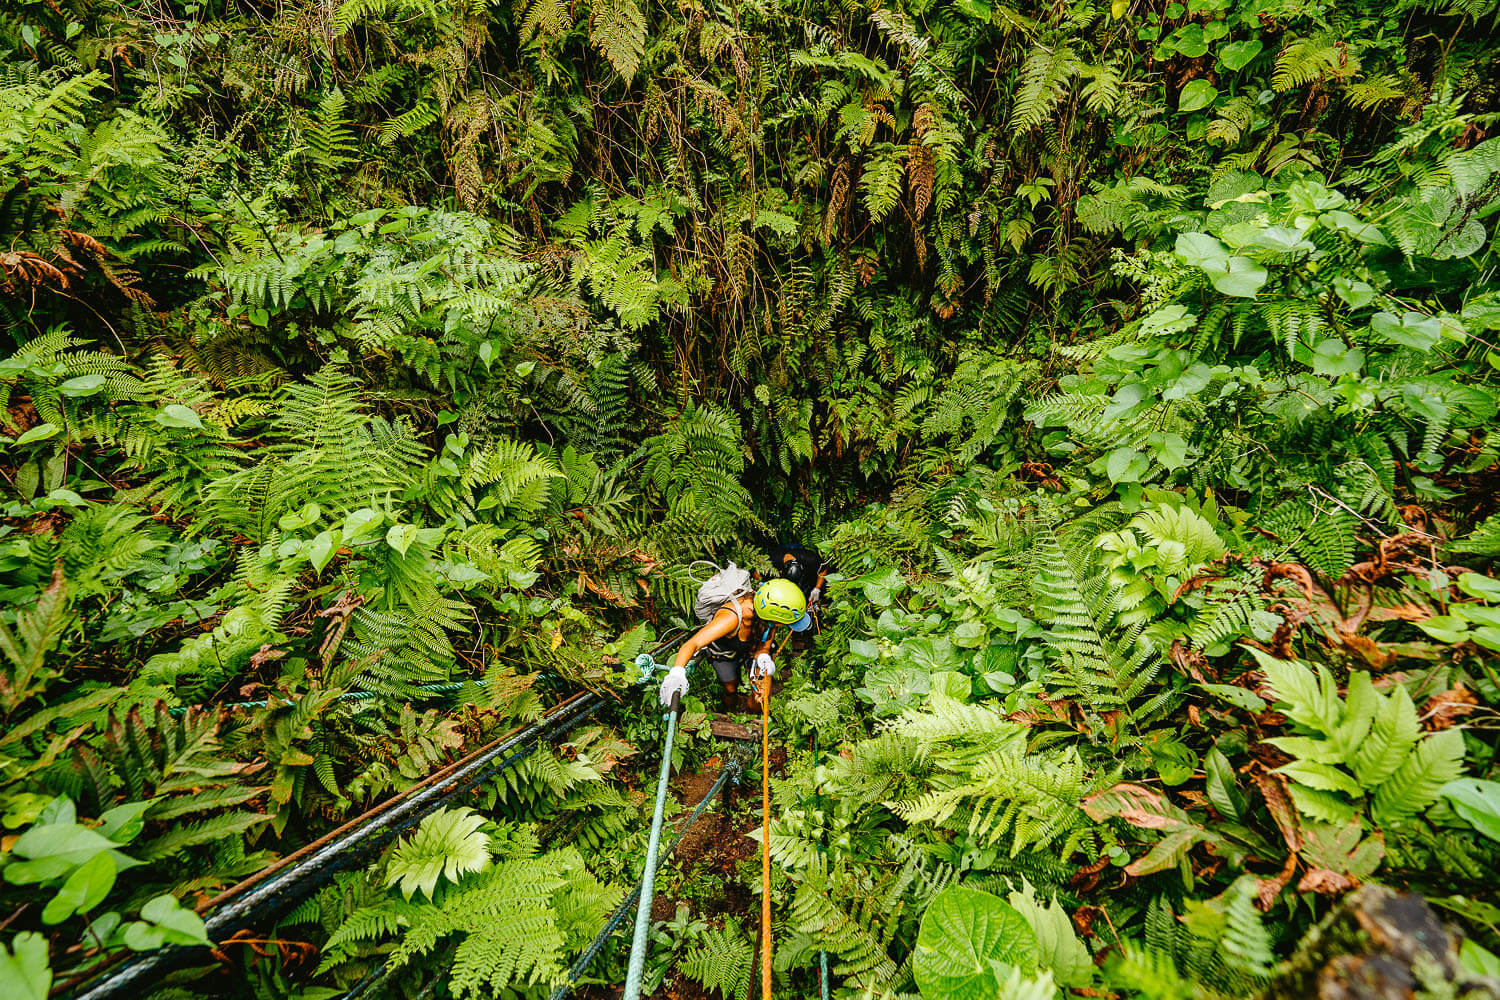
{"x":802,"y":568}
{"x":731,"y":647}
{"x":727,"y":670}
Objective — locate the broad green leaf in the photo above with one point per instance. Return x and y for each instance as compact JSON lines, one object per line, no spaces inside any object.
{"x":1171,"y":451}
{"x":1126,"y":465}
{"x":179,"y":416}
{"x":1222,"y":790}
{"x":141,"y":936}
{"x":1445,"y":628}
{"x":40,"y":432}
{"x":179,"y":925}
{"x":292,"y":520}
{"x":1237,"y":55}
{"x":61,"y":840}
{"x":1174,"y":761}
{"x":1331,"y":358}
{"x":359,"y":522}
{"x":1478,"y":960}
{"x":26,"y":974}
{"x":1410,"y":329}
{"x":1280,"y":239}
{"x":321,"y":550}
{"x":1480,"y":586}
{"x":1240,"y":277}
{"x":1353,"y":225}
{"x":969,"y":635}
{"x":1356,"y":294}
{"x":124,"y":823}
{"x":83,"y":385}
{"x":1478,"y":802}
{"x":1488,"y":636}
{"x":1058,"y":947}
{"x":400,"y":537}
{"x":1200,"y":249}
{"x":83,"y":890}
{"x":968,"y":944}
{"x":1189,"y":41}
{"x":1197,"y":94}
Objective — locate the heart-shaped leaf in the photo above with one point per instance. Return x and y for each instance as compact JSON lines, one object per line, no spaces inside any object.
{"x":27,"y":975}
{"x":1126,"y":465}
{"x":1235,"y":56}
{"x":359,"y":522}
{"x":1189,"y":41}
{"x":321,"y":550}
{"x":1331,"y":357}
{"x":1239,"y":276}
{"x":83,"y":890}
{"x":968,"y":943}
{"x":1197,"y":94}
{"x":1200,"y":250}
{"x":1410,"y":329}
{"x":1356,"y":294}
{"x":400,"y":537}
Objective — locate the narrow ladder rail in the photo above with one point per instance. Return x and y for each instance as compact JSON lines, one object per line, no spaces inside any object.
{"x":284,"y":885}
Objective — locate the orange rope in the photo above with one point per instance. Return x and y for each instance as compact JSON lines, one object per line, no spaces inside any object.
{"x":765,"y":839}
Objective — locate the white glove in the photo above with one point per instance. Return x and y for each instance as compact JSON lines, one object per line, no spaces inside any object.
{"x":814,"y":597}
{"x":675,"y":682}
{"x":764,"y":667}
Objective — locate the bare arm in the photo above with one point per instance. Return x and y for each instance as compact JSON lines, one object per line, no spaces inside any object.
{"x":723,"y":623}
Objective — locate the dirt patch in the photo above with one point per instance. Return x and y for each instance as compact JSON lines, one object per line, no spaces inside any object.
{"x":709,"y":860}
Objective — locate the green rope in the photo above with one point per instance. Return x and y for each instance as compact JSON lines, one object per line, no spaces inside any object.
{"x":637,"y":967}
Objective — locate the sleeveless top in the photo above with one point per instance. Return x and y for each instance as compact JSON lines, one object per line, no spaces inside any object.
{"x":731,"y":646}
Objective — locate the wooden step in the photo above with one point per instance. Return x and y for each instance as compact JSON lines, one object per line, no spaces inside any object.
{"x":727,"y":729}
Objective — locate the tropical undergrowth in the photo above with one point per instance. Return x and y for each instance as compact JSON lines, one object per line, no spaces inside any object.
{"x":375,"y":371}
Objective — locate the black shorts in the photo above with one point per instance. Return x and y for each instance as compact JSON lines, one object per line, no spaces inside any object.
{"x":727,"y":669}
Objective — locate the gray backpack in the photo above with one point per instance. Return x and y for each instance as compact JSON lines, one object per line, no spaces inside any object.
{"x":722,"y":588}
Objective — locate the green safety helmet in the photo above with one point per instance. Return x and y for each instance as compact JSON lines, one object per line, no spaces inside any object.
{"x":780,"y":601}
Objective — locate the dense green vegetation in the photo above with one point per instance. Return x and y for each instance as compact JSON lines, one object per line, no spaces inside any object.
{"x":1136,"y":362}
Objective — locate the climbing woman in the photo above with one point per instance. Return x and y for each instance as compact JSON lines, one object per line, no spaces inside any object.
{"x":738,"y":632}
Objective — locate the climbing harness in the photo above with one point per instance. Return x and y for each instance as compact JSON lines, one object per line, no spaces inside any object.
{"x":637,"y":966}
